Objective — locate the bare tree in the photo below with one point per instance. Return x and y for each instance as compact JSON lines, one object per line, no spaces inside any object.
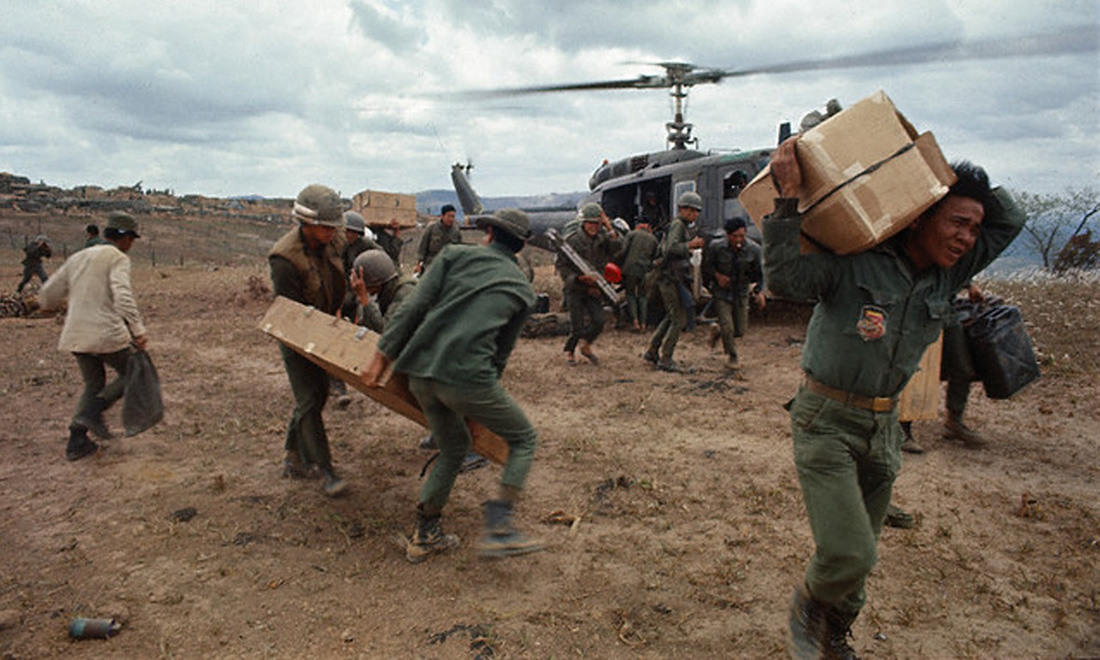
{"x":1054,"y":219}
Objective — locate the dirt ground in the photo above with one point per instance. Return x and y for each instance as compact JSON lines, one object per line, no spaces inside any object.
{"x":689,"y":530}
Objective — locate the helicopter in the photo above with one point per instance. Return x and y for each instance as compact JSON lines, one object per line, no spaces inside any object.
{"x":623,"y":186}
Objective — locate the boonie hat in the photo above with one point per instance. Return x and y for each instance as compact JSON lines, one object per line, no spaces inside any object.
{"x":513,"y":221}
{"x":123,"y":222}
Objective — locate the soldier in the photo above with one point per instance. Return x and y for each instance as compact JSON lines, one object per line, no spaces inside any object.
{"x":306,"y":267}
{"x":34,"y":253}
{"x":452,"y":338}
{"x":389,"y":239}
{"x":375,"y":279}
{"x":437,"y":236}
{"x":731,"y":265}
{"x":653,"y":214}
{"x":639,"y":249}
{"x":101,"y":325}
{"x":596,"y":243}
{"x":673,"y":270}
{"x":876,"y":312}
{"x":91,"y":236}
{"x":358,"y":241}
{"x":958,"y":382}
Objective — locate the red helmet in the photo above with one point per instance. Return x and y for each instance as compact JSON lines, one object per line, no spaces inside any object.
{"x":612,"y":273}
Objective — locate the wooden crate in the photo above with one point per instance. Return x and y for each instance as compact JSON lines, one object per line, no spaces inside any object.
{"x":344,"y":349}
{"x":381,"y":208}
{"x":921,"y":397}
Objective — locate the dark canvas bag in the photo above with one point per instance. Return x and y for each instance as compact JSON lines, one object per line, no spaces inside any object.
{"x":142,"y":407}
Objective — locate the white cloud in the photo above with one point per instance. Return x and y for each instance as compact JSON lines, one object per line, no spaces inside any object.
{"x":265,"y":96}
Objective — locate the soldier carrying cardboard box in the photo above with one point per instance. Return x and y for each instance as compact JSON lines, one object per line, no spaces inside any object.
{"x":876,"y":312}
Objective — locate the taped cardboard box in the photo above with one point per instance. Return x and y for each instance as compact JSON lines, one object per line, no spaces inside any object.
{"x":382,"y":208}
{"x":866,"y":175}
{"x":344,"y":349}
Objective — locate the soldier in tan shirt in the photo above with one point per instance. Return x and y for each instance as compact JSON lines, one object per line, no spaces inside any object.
{"x":102,"y":326}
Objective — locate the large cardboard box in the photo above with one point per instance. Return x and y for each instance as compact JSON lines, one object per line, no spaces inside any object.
{"x":343,"y":349}
{"x":382,"y":208}
{"x":866,"y":174}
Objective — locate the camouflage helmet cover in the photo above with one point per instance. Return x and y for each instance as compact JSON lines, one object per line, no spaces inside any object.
{"x":591,"y":211}
{"x":690,"y":200}
{"x":355,"y":222}
{"x":375,"y":267}
{"x":319,"y":205}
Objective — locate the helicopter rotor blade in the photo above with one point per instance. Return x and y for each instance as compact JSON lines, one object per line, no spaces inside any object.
{"x":641,"y":82}
{"x":1084,"y":39}
{"x":1077,"y":40}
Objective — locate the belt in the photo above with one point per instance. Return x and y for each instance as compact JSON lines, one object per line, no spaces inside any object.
{"x":874,"y":404}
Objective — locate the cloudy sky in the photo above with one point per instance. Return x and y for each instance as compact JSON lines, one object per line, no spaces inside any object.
{"x":223,"y":97}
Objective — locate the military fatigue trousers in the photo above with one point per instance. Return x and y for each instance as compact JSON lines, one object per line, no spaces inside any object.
{"x":733,"y":319}
{"x":585,"y":318}
{"x":637,"y":303}
{"x":305,"y":433}
{"x":93,"y":369}
{"x":847,"y":460}
{"x":668,"y":331}
{"x":447,"y":408}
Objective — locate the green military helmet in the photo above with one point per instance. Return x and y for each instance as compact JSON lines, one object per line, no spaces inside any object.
{"x":690,"y":200}
{"x":123,"y":223}
{"x":375,"y":268}
{"x":319,"y":205}
{"x":355,"y":222}
{"x":513,"y":221}
{"x":591,"y":211}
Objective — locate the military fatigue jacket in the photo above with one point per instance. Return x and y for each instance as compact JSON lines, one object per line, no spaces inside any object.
{"x":874,"y":315}
{"x":311,"y":277}
{"x":435,"y":238}
{"x":639,"y":248}
{"x":675,"y":252}
{"x":390,"y":244}
{"x":742,"y":266}
{"x":597,"y":251}
{"x":463,"y":319}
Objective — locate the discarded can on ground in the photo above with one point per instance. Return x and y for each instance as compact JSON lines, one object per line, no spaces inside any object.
{"x":93,"y":628}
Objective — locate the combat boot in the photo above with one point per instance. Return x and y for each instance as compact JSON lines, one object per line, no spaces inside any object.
{"x":333,"y":485}
{"x":295,"y":468}
{"x":817,"y":630}
{"x":651,"y":357}
{"x":672,"y":366}
{"x":809,"y":626}
{"x":899,"y":518}
{"x":838,"y":647}
{"x":91,"y":418}
{"x":80,"y":445}
{"x":501,"y":538}
{"x":953,"y":428}
{"x":428,"y":538}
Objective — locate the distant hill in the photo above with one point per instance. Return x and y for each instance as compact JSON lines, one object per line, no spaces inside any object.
{"x":430,"y":201}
